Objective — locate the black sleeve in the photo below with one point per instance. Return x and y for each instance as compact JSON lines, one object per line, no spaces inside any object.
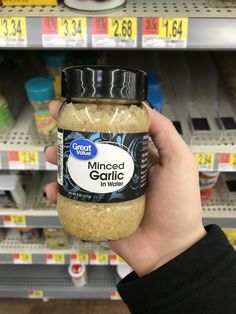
{"x":200,"y":280}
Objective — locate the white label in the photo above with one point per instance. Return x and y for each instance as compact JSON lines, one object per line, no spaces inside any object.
{"x":110,"y":170}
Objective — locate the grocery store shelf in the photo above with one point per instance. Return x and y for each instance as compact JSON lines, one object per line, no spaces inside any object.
{"x":208,"y":27}
{"x":29,"y":281}
{"x":12,"y":251}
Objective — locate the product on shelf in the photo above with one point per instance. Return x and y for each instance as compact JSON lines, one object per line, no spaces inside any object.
{"x":231,"y":235}
{"x":102,"y":140}
{"x":30,"y":235}
{"x":3,"y":232}
{"x":55,"y":62}
{"x":56,"y":238}
{"x":40,"y":92}
{"x":12,"y":194}
{"x":94,"y":5}
{"x":78,"y":274}
{"x":155,"y":96}
{"x":222,"y":3}
{"x":6,"y":118}
{"x":123,"y":270}
{"x":29,"y":2}
{"x":207,"y":181}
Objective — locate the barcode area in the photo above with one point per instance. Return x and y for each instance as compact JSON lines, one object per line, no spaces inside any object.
{"x":60,"y":158}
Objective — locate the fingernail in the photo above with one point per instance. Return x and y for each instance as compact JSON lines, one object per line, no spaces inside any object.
{"x":46,"y":147}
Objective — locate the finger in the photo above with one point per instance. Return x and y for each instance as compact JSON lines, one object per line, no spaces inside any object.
{"x":51,"y":190}
{"x":50,"y":153}
{"x":54,"y":108}
{"x":169,"y":143}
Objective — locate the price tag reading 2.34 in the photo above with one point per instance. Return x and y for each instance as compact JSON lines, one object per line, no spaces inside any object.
{"x":73,"y":31}
{"x":205,"y":161}
{"x":123,"y":31}
{"x":13,"y":31}
{"x":173,"y":32}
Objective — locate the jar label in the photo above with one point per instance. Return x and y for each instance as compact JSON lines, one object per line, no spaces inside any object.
{"x":44,"y":122}
{"x":102,"y":167}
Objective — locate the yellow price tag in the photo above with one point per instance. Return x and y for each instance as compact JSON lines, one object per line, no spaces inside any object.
{"x":35,"y":294}
{"x":72,"y":27}
{"x":205,"y":160}
{"x":119,"y":27}
{"x":13,"y":27}
{"x":232,"y":159}
{"x":102,"y":258}
{"x":18,"y":220}
{"x":58,"y":258}
{"x":25,"y":257}
{"x":175,"y":28}
{"x":29,"y":157}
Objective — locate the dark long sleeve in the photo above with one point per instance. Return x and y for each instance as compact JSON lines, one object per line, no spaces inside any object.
{"x":200,"y":280}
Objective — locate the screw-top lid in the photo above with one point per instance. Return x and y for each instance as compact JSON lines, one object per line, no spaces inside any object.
{"x":39,"y":89}
{"x":55,"y":59}
{"x":104,"y":82}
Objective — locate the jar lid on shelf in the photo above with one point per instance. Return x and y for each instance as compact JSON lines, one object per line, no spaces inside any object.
{"x":55,"y":59}
{"x":39,"y":89}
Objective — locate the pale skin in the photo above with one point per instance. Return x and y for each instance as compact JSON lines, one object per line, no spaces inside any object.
{"x":172,"y":222}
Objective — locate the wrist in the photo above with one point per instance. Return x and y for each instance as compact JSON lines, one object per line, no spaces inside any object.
{"x":155,"y":256}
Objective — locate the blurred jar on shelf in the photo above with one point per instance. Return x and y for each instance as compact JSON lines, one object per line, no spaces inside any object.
{"x":30,"y":235}
{"x":56,"y":238}
{"x":40,"y":92}
{"x":207,"y":181}
{"x":55,"y":62}
{"x":78,"y":274}
{"x":6,"y":118}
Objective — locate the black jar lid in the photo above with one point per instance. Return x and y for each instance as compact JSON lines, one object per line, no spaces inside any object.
{"x":104,"y":82}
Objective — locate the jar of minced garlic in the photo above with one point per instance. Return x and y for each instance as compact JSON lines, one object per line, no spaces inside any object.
{"x":102,"y":152}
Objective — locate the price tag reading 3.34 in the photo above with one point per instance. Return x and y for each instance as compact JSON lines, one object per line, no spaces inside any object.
{"x":205,"y":161}
{"x":173,"y":32}
{"x":13,"y":32}
{"x":123,"y":31}
{"x":73,"y":31}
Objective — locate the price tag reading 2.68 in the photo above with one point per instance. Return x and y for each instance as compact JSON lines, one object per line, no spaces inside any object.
{"x":174,"y":32}
{"x":73,"y":31}
{"x":123,"y":31}
{"x":13,"y":31}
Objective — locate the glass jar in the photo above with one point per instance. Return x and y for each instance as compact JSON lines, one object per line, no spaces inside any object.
{"x":40,"y":93}
{"x":102,"y":152}
{"x":55,"y":62}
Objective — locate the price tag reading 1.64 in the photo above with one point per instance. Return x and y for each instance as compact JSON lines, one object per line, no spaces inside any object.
{"x":73,"y":30}
{"x":205,"y":161}
{"x":174,"y":31}
{"x":13,"y":31}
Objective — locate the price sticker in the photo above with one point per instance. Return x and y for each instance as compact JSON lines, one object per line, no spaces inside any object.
{"x":22,"y":258}
{"x":115,"y":295}
{"x":35,"y":294}
{"x":80,"y":258}
{"x":13,"y":32}
{"x":55,"y":258}
{"x":173,"y":32}
{"x":64,"y":31}
{"x":114,"y":32}
{"x":14,"y":221}
{"x":150,"y":32}
{"x":206,"y":161}
{"x":23,"y":160}
{"x":232,"y":160}
{"x":99,"y":259}
{"x":116,"y":259}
